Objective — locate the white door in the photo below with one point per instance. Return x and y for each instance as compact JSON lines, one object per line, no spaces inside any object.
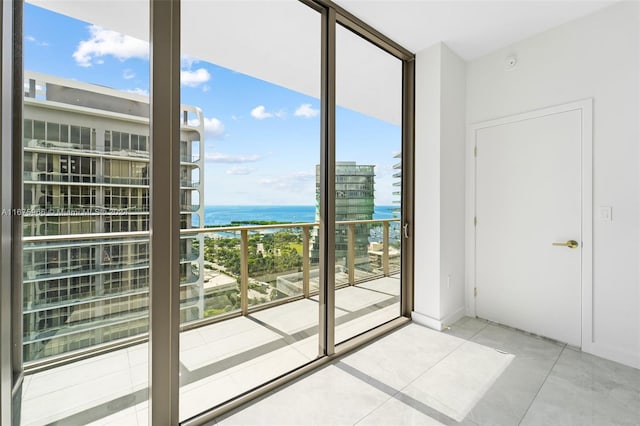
{"x":528,"y":197}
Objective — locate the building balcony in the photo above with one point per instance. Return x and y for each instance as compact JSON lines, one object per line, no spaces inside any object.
{"x":40,"y":177}
{"x":188,"y":159}
{"x":188,"y":184}
{"x":43,"y":144}
{"x":218,"y":361}
{"x":271,"y":328}
{"x":189,"y":208}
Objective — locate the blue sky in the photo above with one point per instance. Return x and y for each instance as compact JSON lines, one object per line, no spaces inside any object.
{"x":262,"y":141}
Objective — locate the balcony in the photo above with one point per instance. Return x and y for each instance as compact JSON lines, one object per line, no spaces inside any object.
{"x":59,"y":146}
{"x":189,"y":208}
{"x":189,"y":184}
{"x":189,"y":158}
{"x":56,"y":177}
{"x":230,"y":351}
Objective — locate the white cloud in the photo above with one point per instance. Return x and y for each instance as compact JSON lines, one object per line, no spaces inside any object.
{"x":194,"y":78}
{"x":240,"y":171}
{"x":260,"y":113}
{"x":106,"y":42}
{"x":213,"y":127}
{"x":35,"y":41}
{"x":292,"y":181}
{"x":306,"y":111}
{"x":187,"y":61}
{"x":218,"y":157}
{"x":128,"y":74}
{"x":138,"y":91}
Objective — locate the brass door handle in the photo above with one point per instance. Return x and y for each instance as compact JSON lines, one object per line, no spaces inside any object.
{"x":571,"y":244}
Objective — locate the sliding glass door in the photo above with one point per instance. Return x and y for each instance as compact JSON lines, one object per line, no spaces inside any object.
{"x":368,"y":173}
{"x":85,"y":214}
{"x":210,"y":202}
{"x":247,"y":195}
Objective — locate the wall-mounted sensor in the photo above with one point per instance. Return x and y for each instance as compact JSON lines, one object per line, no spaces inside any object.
{"x":510,"y":63}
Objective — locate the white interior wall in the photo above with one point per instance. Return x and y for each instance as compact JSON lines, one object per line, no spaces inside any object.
{"x":593,"y":57}
{"x":452,"y":195}
{"x":439,"y":201}
{"x":427,"y":181}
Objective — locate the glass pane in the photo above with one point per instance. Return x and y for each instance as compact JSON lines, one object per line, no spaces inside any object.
{"x":368,"y":176}
{"x":85,"y":293}
{"x":248,"y":156}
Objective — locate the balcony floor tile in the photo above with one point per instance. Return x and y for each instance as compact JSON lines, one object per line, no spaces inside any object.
{"x":218,"y":361}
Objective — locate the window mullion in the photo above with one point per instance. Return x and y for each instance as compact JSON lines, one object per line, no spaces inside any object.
{"x":327,"y":184}
{"x":165,"y":219}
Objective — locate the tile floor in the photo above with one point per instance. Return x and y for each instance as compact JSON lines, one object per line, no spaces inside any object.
{"x":390,"y":382}
{"x":475,"y":373}
{"x":217,"y":362}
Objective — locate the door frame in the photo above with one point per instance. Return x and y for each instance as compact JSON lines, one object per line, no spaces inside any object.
{"x":585,"y":106}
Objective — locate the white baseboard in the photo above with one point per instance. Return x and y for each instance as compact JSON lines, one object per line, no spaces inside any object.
{"x":628,"y":358}
{"x":426,"y":321}
{"x":438,"y":324}
{"x":454,"y":317}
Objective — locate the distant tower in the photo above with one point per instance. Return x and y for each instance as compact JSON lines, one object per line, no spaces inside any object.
{"x":354,"y":201}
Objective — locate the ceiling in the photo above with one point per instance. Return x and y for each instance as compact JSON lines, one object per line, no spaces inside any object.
{"x":470,"y":28}
{"x":279,"y":40}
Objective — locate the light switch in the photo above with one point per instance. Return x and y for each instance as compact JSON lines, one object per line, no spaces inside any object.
{"x":605,"y":213}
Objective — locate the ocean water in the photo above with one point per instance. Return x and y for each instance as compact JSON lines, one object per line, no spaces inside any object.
{"x":223,"y":215}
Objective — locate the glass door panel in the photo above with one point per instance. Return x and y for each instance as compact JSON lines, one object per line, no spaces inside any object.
{"x":250,"y":143}
{"x":368,"y":177}
{"x":85,"y":214}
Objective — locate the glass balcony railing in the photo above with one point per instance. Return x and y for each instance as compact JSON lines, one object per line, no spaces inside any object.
{"x":225,"y":271}
{"x":58,"y":145}
{"x":55,"y":177}
{"x":189,"y":208}
{"x":253,"y":267}
{"x":189,"y":158}
{"x":189,"y":184}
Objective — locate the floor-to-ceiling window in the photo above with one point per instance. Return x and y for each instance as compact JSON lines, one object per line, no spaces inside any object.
{"x":280,"y":107}
{"x":254,"y":73}
{"x":85,"y":214}
{"x":367,"y":185}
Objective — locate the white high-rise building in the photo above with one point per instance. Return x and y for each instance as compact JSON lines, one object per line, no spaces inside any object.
{"x":86,"y":174}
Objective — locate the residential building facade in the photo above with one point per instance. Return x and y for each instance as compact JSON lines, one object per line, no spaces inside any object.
{"x":86,"y":213}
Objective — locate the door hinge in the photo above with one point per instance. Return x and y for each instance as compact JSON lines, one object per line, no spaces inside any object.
{"x":475,"y":151}
{"x":475,"y":292}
